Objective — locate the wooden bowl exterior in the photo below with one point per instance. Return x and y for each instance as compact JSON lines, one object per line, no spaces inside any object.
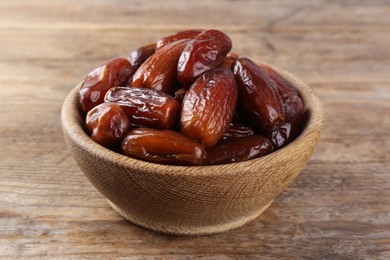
{"x":191,"y":200}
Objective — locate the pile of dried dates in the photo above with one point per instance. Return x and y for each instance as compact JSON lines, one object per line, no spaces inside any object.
{"x":188,"y":100}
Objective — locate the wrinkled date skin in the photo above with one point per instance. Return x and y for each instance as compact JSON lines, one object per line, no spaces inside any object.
{"x":163,"y":146}
{"x":159,"y":71}
{"x":208,"y":106}
{"x":187,"y":34}
{"x":107,"y":124}
{"x":258,"y":96}
{"x":285,"y":89}
{"x":237,"y":130}
{"x":290,"y":129}
{"x":146,"y":107}
{"x":115,"y":72}
{"x":140,"y":55}
{"x":239,"y":149}
{"x":206,"y":51}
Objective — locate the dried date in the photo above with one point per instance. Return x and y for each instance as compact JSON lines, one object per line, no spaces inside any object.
{"x":107,"y":124}
{"x":258,"y":96}
{"x":146,"y":107}
{"x":237,"y":130}
{"x":289,"y":130}
{"x":208,"y":106}
{"x":187,"y":34}
{"x":206,"y":51}
{"x":285,"y":89}
{"x":163,"y":146}
{"x":239,"y":149}
{"x":115,"y":72}
{"x":159,"y":71}
{"x":140,"y":55}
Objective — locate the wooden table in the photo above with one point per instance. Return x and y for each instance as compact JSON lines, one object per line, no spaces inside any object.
{"x":338,"y":208}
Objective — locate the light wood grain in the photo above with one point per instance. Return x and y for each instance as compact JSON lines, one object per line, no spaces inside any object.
{"x":338,"y":208}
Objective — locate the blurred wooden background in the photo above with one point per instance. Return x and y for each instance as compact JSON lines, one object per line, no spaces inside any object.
{"x":338,"y":208}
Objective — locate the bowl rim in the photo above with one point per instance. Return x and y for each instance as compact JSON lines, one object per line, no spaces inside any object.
{"x":71,"y":120}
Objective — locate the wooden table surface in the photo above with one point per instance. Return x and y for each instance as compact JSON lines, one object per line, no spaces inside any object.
{"x":339,"y":206}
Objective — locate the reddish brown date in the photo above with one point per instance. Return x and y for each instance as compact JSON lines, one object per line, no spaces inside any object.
{"x":239,"y":149}
{"x":209,"y":106}
{"x":107,"y":124}
{"x":140,"y":55}
{"x":230,"y":58}
{"x":285,"y":89}
{"x":159,"y":71}
{"x":237,"y":130}
{"x":290,"y":129}
{"x":187,"y":34}
{"x":163,"y":146}
{"x":258,"y":96}
{"x":146,"y":107}
{"x":115,"y":72}
{"x":206,"y":51}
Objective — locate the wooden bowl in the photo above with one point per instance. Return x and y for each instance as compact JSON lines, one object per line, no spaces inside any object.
{"x":191,"y":200}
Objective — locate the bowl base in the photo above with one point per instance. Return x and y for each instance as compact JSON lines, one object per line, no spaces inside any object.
{"x":190,"y":230}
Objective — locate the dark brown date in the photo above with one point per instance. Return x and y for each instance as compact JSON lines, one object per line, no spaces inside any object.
{"x":285,"y":89}
{"x":115,"y":72}
{"x":206,"y":51}
{"x":107,"y":124}
{"x":290,"y":129}
{"x":239,"y":149}
{"x":146,"y":107}
{"x":258,"y":96}
{"x":159,"y":71}
{"x":163,"y":146}
{"x":140,"y":55}
{"x":237,"y":130}
{"x":187,"y":34}
{"x":208,"y":106}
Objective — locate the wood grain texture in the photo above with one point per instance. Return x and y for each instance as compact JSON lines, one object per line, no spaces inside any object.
{"x":338,"y":208}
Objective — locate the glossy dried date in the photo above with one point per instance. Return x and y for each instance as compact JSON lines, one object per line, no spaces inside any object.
{"x":290,"y":129}
{"x":237,"y":130}
{"x":258,"y":96}
{"x":107,"y":124}
{"x":159,"y":71}
{"x":285,"y":89}
{"x":206,"y":51}
{"x":163,"y":146}
{"x":239,"y":149}
{"x":208,"y":106}
{"x":187,"y":34}
{"x":140,"y":55}
{"x":146,"y":107}
{"x":115,"y":72}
